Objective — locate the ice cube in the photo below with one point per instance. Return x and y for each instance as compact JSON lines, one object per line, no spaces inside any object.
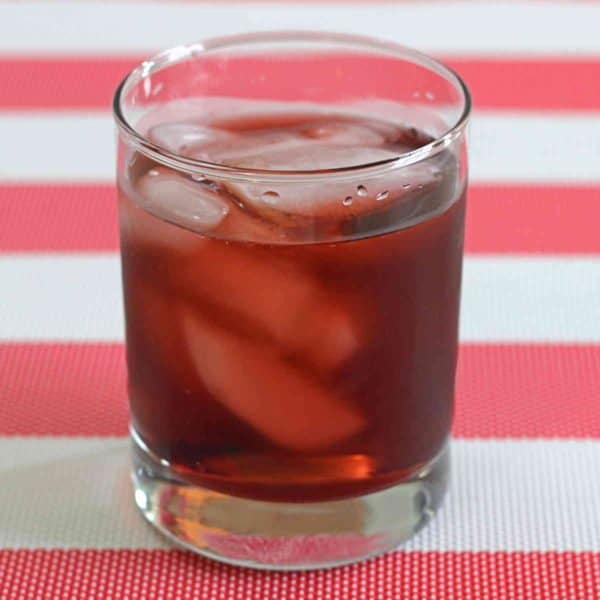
{"x":144,"y":232}
{"x":232,"y":150}
{"x":304,"y":155}
{"x":241,"y":149}
{"x":251,"y":379}
{"x":293,"y":204}
{"x":277,"y":300}
{"x":321,"y":199}
{"x":183,"y":138}
{"x":177,"y":199}
{"x":330,"y":334}
{"x":358,"y":132}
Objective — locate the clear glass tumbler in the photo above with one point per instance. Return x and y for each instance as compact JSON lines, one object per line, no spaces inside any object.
{"x":291,"y":212}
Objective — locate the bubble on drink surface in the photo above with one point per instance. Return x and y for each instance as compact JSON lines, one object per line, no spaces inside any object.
{"x":382,"y":196}
{"x":347,"y":201}
{"x":406,"y":186}
{"x":430,"y":95}
{"x":270,"y":197}
{"x":362,"y":191}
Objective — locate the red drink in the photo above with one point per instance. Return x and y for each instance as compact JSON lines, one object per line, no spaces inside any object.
{"x":291,"y":213}
{"x":290,"y":367}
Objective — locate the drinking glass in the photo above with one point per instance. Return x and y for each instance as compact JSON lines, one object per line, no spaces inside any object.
{"x":291,"y":212}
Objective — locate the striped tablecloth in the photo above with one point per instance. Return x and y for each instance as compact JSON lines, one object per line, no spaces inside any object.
{"x":523,"y":516}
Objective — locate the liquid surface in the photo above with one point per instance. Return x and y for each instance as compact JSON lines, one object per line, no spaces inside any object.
{"x":293,"y":342}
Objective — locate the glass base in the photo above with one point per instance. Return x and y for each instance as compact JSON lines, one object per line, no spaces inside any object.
{"x":285,"y":535}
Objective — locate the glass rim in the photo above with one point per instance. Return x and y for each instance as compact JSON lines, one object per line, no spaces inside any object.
{"x":180,"y":162}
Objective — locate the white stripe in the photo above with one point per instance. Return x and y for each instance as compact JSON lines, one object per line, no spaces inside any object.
{"x":442,"y":27}
{"x":78,"y":297}
{"x":519,"y":495}
{"x":544,"y":148}
{"x":68,"y":493}
{"x":523,"y":298}
{"x":505,"y":495}
{"x":58,"y":146}
{"x":60,"y":297}
{"x":504,"y":147}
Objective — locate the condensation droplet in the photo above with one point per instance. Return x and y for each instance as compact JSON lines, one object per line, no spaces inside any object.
{"x":430,"y":95}
{"x":199,"y":177}
{"x":382,"y":195}
{"x":406,"y":186}
{"x":347,"y":201}
{"x":153,"y":173}
{"x":420,"y":186}
{"x":416,"y":94}
{"x":361,"y":190}
{"x":270,"y":197}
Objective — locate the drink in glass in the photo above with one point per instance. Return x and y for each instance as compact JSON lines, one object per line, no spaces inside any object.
{"x":291,"y":241}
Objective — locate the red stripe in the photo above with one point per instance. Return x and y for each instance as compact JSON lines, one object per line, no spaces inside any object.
{"x":57,"y":83}
{"x":58,"y":217}
{"x":62,"y":389}
{"x":528,"y":391}
{"x":560,"y":219}
{"x":549,"y":219}
{"x":174,"y":574}
{"x":61,"y":83}
{"x":539,"y":83}
{"x":502,"y":390}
